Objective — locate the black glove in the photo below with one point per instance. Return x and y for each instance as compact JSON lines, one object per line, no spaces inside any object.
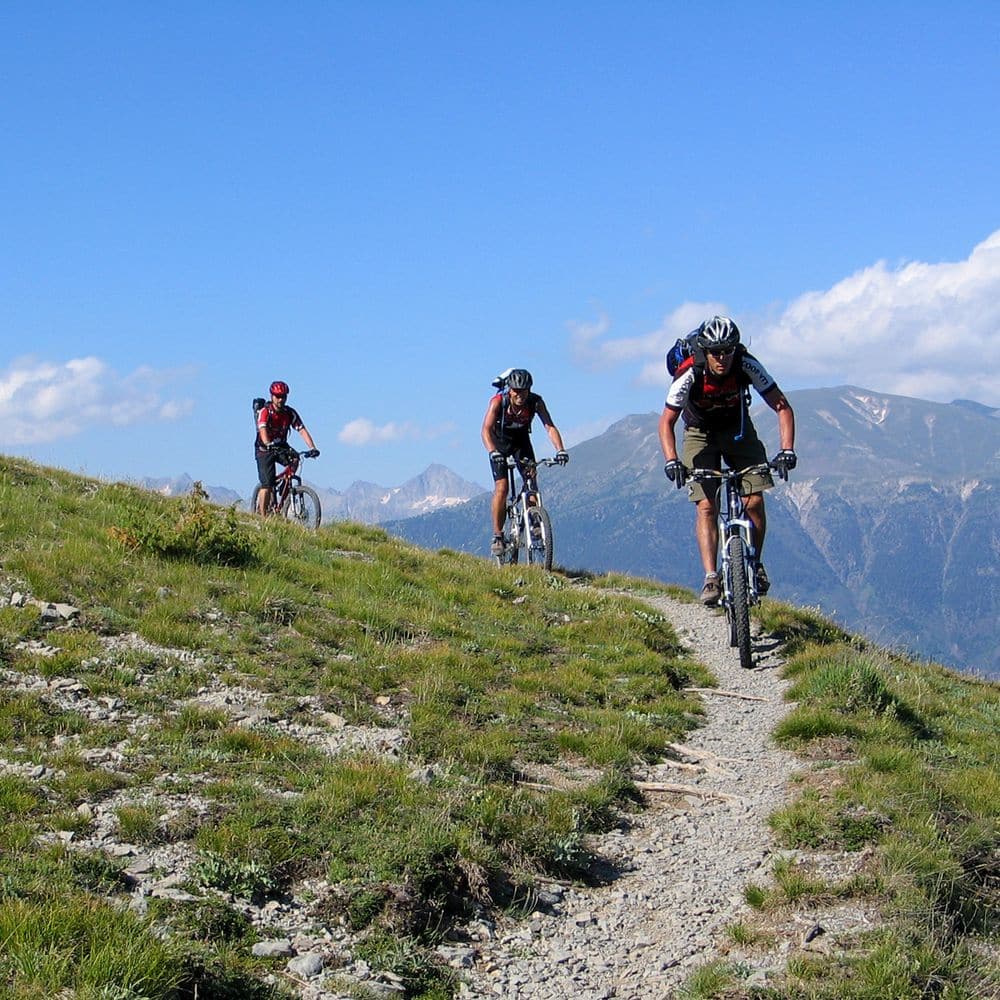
{"x":784,"y":462}
{"x":312,"y":453}
{"x":275,"y":446}
{"x":495,"y":456}
{"x":675,"y":472}
{"x":562,"y":457}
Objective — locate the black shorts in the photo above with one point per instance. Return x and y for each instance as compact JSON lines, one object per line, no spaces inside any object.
{"x":523,"y":454}
{"x":265,"y":469}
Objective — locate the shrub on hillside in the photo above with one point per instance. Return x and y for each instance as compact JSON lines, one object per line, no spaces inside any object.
{"x":192,"y":528}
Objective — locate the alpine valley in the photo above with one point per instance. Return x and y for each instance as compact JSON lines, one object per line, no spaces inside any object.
{"x":888,"y":525}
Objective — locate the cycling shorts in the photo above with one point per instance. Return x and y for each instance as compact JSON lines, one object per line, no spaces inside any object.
{"x":708,"y":449}
{"x":523,"y":454}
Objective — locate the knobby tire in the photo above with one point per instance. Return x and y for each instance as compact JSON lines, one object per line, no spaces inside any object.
{"x":510,"y":541}
{"x":302,"y":507}
{"x":539,"y":549}
{"x":740,"y":599}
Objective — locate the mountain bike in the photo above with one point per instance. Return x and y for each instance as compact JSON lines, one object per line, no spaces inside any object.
{"x":739,"y":554}
{"x":290,"y":498}
{"x":527,"y":524}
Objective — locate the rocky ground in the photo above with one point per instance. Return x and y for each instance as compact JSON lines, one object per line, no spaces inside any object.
{"x":680,"y":867}
{"x":675,"y":872}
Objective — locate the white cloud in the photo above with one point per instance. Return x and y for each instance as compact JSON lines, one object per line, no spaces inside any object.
{"x":917,"y":329}
{"x":42,"y":401}
{"x":930,"y":330}
{"x":362,"y":431}
{"x":591,"y":350}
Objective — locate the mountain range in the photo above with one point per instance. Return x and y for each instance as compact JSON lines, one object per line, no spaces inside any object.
{"x":888,"y":525}
{"x":437,"y":487}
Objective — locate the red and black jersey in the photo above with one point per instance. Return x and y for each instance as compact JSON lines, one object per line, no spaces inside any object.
{"x":278,"y":423}
{"x":714,"y":402}
{"x":515,"y":420}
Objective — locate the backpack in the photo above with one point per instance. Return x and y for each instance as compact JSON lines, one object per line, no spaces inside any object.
{"x":684,"y":348}
{"x":500,"y":382}
{"x":258,"y":404}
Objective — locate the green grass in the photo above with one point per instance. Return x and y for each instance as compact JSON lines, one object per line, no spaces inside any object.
{"x":489,"y":673}
{"x":905,"y":765}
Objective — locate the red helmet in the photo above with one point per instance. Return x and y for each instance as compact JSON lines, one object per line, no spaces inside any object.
{"x":279,"y":388}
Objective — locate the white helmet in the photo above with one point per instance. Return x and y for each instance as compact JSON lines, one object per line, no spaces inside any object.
{"x":718,"y":333}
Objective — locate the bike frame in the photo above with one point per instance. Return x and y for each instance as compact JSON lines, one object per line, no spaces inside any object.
{"x":284,"y":481}
{"x":519,"y":502}
{"x":733,"y":519}
{"x":289,"y":497}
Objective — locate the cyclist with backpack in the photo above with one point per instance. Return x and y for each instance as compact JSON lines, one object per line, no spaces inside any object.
{"x":711,"y":389}
{"x":506,"y":431}
{"x":274,"y":420}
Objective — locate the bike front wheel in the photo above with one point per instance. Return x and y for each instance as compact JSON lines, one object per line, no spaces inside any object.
{"x":739,"y":599}
{"x":539,"y":540}
{"x":512,"y":541}
{"x":302,"y":507}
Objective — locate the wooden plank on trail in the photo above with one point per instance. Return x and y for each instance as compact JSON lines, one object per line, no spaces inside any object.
{"x":726,"y":694}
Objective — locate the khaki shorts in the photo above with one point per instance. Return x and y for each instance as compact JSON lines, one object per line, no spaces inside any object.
{"x":707,"y":450}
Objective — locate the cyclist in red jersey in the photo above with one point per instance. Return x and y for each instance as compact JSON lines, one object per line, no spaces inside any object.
{"x":274,"y":421}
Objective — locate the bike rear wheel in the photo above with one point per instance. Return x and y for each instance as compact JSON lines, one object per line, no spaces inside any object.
{"x":739,"y":599}
{"x":253,"y":500}
{"x":302,"y":507}
{"x":539,"y":551}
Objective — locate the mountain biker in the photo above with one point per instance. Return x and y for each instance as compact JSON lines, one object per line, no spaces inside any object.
{"x":506,"y":431}
{"x":274,"y":420}
{"x":711,"y":390}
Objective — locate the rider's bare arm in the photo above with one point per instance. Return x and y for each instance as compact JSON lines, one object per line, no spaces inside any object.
{"x":307,"y":437}
{"x":550,"y":428}
{"x":668,"y":440}
{"x":492,"y":413}
{"x":775,"y":398}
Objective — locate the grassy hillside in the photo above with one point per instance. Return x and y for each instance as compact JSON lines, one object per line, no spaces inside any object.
{"x":477,"y":678}
{"x":888,"y":884}
{"x":391,"y":741}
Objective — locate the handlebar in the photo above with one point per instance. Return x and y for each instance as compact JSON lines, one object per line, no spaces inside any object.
{"x":287,"y":455}
{"x":512,"y":462}
{"x":699,"y":475}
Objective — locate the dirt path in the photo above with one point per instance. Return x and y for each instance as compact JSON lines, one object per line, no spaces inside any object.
{"x":684,"y":861}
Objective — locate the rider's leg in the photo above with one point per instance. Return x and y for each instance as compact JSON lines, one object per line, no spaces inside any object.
{"x":758,"y":517}
{"x":265,"y":479}
{"x":499,"y":505}
{"x":706,"y":532}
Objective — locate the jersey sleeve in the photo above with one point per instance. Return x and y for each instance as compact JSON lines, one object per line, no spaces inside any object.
{"x":680,"y":390}
{"x":262,"y":415}
{"x":757,"y":374}
{"x":296,"y":420}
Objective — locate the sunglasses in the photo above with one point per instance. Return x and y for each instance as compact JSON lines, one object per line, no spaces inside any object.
{"x":280,"y":395}
{"x":722,"y":353}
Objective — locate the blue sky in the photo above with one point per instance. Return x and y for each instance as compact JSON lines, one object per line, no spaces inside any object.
{"x":386,"y":203}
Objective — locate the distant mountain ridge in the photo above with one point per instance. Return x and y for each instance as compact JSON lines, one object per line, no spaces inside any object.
{"x":889,"y":524}
{"x":436,"y":488}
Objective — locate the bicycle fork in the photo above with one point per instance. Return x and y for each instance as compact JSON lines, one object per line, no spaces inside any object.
{"x":743,"y":527}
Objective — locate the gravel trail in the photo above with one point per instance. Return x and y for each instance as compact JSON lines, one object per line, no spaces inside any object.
{"x":683,"y":862}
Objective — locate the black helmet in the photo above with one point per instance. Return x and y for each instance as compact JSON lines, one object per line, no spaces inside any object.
{"x":519,"y":378}
{"x":718,"y":333}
